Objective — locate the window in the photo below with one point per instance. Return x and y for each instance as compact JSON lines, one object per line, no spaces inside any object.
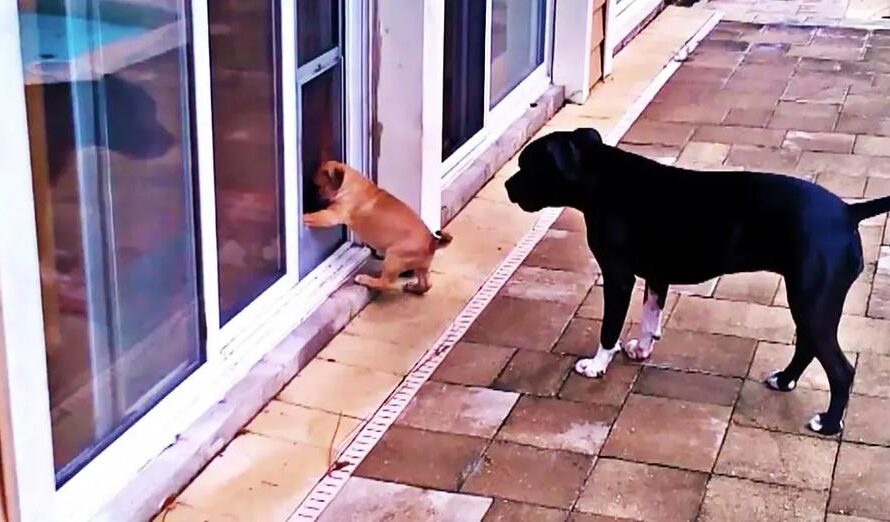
{"x":463,"y":92}
{"x":111,"y":154}
{"x":491,"y":49}
{"x":517,"y":43}
{"x":247,"y":146}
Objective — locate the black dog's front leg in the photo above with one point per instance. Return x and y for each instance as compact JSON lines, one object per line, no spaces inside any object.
{"x":617,"y":290}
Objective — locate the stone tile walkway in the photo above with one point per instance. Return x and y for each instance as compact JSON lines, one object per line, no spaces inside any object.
{"x":505,"y":431}
{"x":871,"y":14}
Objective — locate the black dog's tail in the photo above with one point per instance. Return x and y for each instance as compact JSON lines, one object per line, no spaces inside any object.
{"x":867,"y":209}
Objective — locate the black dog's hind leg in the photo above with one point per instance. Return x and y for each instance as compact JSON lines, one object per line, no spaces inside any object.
{"x":617,"y":289}
{"x":817,"y":313}
{"x":654,"y":300}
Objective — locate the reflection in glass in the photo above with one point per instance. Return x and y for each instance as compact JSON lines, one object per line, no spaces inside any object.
{"x":517,"y":43}
{"x":247,"y":150}
{"x":321,"y":140}
{"x":107,"y":87}
{"x":463,"y":101}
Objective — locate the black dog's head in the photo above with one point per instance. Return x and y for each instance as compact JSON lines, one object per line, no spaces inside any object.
{"x":551,"y":169}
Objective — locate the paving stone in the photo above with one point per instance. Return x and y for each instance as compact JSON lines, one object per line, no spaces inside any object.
{"x":733,"y":318}
{"x":879,"y":167}
{"x":703,"y":352}
{"x":808,"y":91}
{"x":827,"y":51}
{"x":580,"y":338}
{"x":873,"y":125}
{"x":647,"y":132}
{"x":520,"y":323}
{"x":509,"y":511}
{"x":872,"y":146}
{"x":827,"y":162}
{"x":804,"y":116}
{"x":784,"y":34}
{"x":458,"y":409}
{"x":570,"y":220}
{"x":611,"y":390}
{"x":301,"y":425}
{"x":830,"y":517}
{"x":762,"y":159}
{"x":746,"y":117}
{"x":703,"y":155}
{"x":559,"y":425}
{"x":669,"y":432}
{"x":692,"y":387}
{"x":777,"y":458}
{"x":561,"y":250}
{"x":668,"y":112}
{"x":866,"y":420}
{"x":867,"y":106}
{"x":760,"y":71}
{"x":841,"y":185}
{"x":535,"y":373}
{"x":864,"y":335}
{"x":473,"y":364}
{"x":761,"y":407}
{"x":740,"y":136}
{"x":769,"y":53}
{"x":660,"y":153}
{"x":820,"y":141}
{"x":633,"y":491}
{"x":860,"y":482}
{"x":771,"y":357}
{"x":257,"y":478}
{"x":872,"y":375}
{"x":877,"y":188}
{"x":755,"y":287}
{"x":737,"y":499}
{"x":384,"y":501}
{"x":546,"y":477}
{"x":422,"y":458}
{"x":592,"y":307}
{"x":542,"y":284}
{"x":360,"y":391}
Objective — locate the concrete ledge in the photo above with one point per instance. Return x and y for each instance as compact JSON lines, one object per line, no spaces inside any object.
{"x":475,"y":175}
{"x":171,"y":471}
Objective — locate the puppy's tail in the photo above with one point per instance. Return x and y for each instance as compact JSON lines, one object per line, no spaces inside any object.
{"x":443,"y":239}
{"x":867,"y":209}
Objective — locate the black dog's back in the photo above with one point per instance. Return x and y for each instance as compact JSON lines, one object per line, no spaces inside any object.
{"x":681,"y":226}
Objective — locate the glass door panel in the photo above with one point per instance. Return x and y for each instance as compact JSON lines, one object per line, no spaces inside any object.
{"x":108,"y":94}
{"x":248,"y":159}
{"x":321,"y":116}
{"x":517,"y":43}
{"x":463,"y":92}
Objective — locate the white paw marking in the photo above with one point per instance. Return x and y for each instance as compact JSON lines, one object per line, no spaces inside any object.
{"x":815,"y":423}
{"x":773,"y":381}
{"x":792,"y":385}
{"x":598,"y":364}
{"x":639,"y":350}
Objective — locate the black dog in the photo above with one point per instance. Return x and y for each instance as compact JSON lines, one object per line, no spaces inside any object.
{"x":669,"y":226}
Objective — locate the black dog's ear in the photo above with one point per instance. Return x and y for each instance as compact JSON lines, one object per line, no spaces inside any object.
{"x":587,"y":135}
{"x":567,"y":157}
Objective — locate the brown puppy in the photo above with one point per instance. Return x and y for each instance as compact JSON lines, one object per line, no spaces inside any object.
{"x":383,"y":222}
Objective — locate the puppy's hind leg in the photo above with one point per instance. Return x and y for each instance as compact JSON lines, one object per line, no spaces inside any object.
{"x":388,"y":279}
{"x":421,"y":285}
{"x":640,"y":349}
{"x":617,"y":289}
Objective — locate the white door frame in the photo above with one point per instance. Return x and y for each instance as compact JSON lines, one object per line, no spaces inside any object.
{"x":25,"y":423}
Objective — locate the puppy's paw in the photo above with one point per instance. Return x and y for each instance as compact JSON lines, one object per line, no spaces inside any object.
{"x":364,"y":280}
{"x":637,"y":350}
{"x":310,"y":220}
{"x":778,"y":382}
{"x":596,"y":366}
{"x":415,"y":288}
{"x":823,"y":426}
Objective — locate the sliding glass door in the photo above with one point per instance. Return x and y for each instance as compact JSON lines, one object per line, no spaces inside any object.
{"x":494,"y":65}
{"x":172,"y":149}
{"x":110,"y":122}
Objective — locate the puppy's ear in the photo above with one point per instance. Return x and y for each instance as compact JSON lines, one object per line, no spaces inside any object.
{"x":586,"y":135}
{"x":336,"y":174}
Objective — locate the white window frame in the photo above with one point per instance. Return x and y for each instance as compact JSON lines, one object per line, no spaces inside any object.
{"x":25,"y":424}
{"x":498,"y":118}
